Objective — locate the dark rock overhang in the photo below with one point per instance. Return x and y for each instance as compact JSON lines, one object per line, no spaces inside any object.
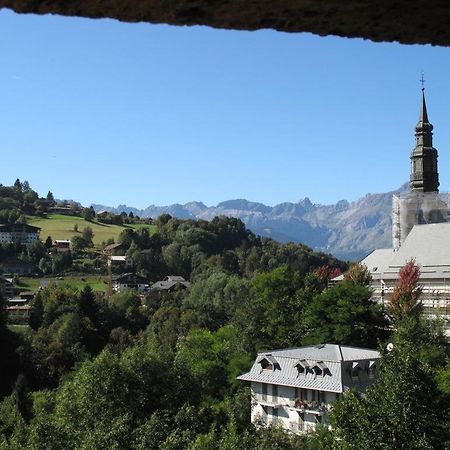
{"x":404,"y":21}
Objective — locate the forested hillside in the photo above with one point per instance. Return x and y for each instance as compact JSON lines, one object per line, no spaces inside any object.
{"x":158,"y":370}
{"x":348,"y":230}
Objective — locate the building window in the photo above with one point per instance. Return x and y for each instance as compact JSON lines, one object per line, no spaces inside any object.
{"x":371,"y":370}
{"x":300,"y":394}
{"x":266,"y":365}
{"x":321,"y":396}
{"x":274,"y":391}
{"x":264,"y":391}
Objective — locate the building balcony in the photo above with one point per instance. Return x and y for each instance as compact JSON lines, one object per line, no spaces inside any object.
{"x":309,"y":406}
{"x":268,"y":400}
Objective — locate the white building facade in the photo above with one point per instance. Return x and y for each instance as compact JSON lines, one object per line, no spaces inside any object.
{"x":295,"y":388}
{"x":18,"y":233}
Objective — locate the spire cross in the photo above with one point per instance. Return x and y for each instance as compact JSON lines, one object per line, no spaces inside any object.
{"x":422,"y":81}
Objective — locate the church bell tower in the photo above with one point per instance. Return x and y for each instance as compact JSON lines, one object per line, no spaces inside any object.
{"x":424,"y":171}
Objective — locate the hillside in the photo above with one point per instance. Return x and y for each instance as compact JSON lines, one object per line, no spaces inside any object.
{"x":348,"y":230}
{"x":60,"y":226}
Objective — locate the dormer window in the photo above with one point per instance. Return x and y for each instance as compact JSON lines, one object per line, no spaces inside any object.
{"x":268,"y":362}
{"x":371,"y":369}
{"x":355,"y":371}
{"x":301,"y":366}
{"x":320,"y":368}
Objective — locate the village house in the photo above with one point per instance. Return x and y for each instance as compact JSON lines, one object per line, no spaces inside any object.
{"x":130,"y":281}
{"x":62,"y":245}
{"x":295,"y":388}
{"x":18,"y":232}
{"x":170,"y":283}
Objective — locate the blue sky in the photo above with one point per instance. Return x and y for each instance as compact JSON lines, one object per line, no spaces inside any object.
{"x":107,"y":112}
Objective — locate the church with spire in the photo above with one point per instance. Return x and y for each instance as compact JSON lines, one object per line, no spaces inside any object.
{"x":423,"y":204}
{"x":420,"y":231}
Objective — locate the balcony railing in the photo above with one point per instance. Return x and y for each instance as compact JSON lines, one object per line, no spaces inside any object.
{"x":309,"y":406}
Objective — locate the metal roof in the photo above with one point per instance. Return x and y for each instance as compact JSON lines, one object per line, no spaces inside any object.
{"x":378,"y":261}
{"x":331,"y":356}
{"x":428,"y":245}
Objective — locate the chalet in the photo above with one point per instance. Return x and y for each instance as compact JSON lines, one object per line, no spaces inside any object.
{"x":18,"y":233}
{"x":67,"y":210}
{"x":295,"y":388}
{"x":102,"y":214}
{"x":130,"y":281}
{"x":170,"y":283}
{"x":113,"y":249}
{"x":62,"y":245}
{"x":19,"y":313}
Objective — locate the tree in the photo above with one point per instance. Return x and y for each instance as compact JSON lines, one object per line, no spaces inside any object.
{"x":88,"y":214}
{"x":50,"y":198}
{"x":358,"y":274}
{"x":87,"y":234}
{"x":404,"y":299}
{"x":404,"y":409}
{"x":345,"y":314}
{"x":48,"y":242}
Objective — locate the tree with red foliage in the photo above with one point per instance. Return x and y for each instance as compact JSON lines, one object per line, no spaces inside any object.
{"x":404,"y":299}
{"x":326,"y":273}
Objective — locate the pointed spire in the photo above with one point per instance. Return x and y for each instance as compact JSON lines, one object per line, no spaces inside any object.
{"x":424,"y":170}
{"x":423,"y":110}
{"x":424,"y":124}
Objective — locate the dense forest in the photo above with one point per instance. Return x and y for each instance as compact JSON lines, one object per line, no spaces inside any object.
{"x":158,"y":371}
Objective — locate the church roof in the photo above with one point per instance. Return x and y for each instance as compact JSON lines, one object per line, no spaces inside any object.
{"x":428,"y":245}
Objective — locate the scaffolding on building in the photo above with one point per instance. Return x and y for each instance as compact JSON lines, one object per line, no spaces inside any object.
{"x":416,"y":208}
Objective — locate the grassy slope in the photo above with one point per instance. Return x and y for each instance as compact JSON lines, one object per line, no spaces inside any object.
{"x":60,"y":226}
{"x":97,"y":282}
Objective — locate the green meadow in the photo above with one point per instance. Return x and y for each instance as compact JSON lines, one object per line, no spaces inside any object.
{"x":96,"y":282}
{"x":60,"y":226}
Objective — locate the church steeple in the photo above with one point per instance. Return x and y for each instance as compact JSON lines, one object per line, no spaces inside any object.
{"x":424,"y":172}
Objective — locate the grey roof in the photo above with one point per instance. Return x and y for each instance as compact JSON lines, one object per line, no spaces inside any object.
{"x":132,"y":276}
{"x":328,"y":356}
{"x":174,"y":278}
{"x":379,"y":260}
{"x":19,"y":227}
{"x":428,"y":245}
{"x":169,"y":282}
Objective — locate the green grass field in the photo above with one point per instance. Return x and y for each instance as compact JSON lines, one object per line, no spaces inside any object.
{"x":97,"y":282}
{"x":60,"y":226}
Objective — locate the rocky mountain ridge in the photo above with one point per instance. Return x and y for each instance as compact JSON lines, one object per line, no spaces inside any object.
{"x":348,"y":230}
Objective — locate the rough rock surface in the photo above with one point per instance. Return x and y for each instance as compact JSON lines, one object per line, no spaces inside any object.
{"x":405,"y":21}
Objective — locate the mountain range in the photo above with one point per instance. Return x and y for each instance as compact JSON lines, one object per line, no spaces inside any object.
{"x":348,"y":230}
